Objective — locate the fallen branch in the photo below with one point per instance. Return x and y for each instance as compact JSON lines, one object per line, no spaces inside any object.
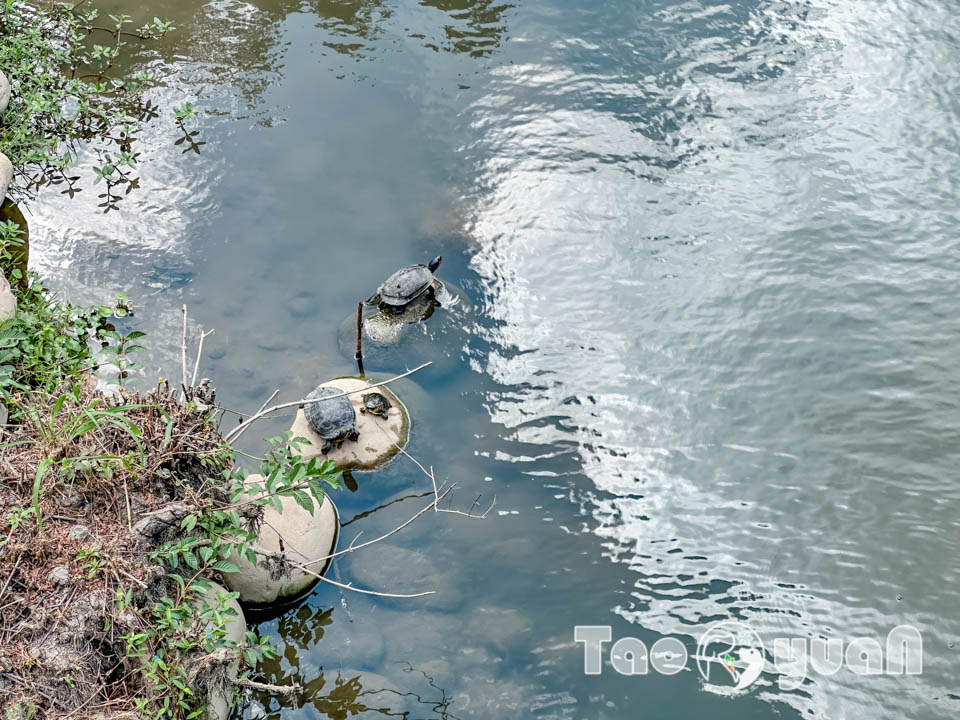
{"x":289,"y":690}
{"x":183,"y":355}
{"x":233,"y":434}
{"x":196,"y":365}
{"x":244,"y":425}
{"x":397,"y":529}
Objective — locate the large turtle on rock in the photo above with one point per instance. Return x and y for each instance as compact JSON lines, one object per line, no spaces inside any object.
{"x":405,"y":285}
{"x":334,"y":420}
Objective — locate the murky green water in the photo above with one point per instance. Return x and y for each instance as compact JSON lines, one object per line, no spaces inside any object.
{"x":706,"y":359}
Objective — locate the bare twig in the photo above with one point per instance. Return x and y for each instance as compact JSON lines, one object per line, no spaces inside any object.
{"x":361,"y":590}
{"x":196,"y":365}
{"x":10,"y":576}
{"x":242,"y":428}
{"x":425,"y":509}
{"x":290,"y":690}
{"x":381,"y":506}
{"x":359,"y":354}
{"x":233,"y":434}
{"x":183,"y":355}
{"x":436,"y":495}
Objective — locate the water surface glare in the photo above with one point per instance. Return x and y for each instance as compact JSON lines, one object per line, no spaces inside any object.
{"x":705,"y":357}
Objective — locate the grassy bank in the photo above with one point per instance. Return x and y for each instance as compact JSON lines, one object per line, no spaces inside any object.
{"x":119,"y":508}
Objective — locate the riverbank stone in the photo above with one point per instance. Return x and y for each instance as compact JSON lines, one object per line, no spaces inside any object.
{"x":379,"y":438}
{"x":235,"y":626}
{"x":8,"y":301}
{"x":4,"y":92}
{"x":6,"y":175}
{"x":305,"y":538}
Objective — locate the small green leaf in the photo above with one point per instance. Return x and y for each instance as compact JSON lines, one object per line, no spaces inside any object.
{"x":303,"y":500}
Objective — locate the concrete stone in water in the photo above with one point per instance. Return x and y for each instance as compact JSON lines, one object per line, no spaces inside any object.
{"x":305,"y":537}
{"x":378,"y":436}
{"x":235,"y":627}
{"x":4,"y":92}
{"x":6,"y":175}
{"x":8,"y":301}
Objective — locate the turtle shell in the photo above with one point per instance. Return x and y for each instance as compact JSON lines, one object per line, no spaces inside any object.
{"x":406,"y":285}
{"x":331,"y":419}
{"x":376,"y":403}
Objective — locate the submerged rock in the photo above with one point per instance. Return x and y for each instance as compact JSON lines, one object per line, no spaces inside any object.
{"x":429,"y":328}
{"x":297,"y":535}
{"x":379,"y":438}
{"x":401,"y":570}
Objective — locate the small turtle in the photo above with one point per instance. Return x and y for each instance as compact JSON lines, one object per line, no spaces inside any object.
{"x":405,"y":286}
{"x":375,"y":404}
{"x":334,"y":420}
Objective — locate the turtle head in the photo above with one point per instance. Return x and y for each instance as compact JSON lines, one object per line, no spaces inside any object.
{"x":373,"y":299}
{"x":434,"y":264}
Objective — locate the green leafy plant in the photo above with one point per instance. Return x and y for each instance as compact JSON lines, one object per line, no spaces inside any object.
{"x":49,"y":341}
{"x":59,"y":58}
{"x":12,"y":249}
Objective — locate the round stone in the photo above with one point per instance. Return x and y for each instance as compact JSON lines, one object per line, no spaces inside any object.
{"x":8,"y":301}
{"x":379,"y":438}
{"x":235,"y":627}
{"x":301,"y":537}
{"x":6,"y":175}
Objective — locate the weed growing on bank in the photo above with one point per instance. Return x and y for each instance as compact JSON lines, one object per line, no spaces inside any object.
{"x":102,"y":612}
{"x":59,"y":59}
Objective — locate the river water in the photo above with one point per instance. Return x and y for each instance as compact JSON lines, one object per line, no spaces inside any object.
{"x":704,"y":359}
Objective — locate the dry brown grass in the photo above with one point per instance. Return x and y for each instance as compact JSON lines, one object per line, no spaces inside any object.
{"x":107,"y":461}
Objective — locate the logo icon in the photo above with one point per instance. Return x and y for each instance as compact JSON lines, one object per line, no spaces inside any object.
{"x":732,"y":647}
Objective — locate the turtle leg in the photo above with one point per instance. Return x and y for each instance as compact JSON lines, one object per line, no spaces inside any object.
{"x":327,"y":447}
{"x":354,"y":435}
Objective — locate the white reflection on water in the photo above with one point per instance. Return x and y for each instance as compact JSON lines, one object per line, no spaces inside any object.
{"x":724,"y":329}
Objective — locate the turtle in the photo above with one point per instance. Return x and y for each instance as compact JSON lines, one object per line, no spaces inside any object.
{"x":375,"y":404}
{"x":334,"y":420}
{"x":405,"y":286}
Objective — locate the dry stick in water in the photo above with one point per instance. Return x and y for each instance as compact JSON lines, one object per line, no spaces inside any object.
{"x":183,"y":356}
{"x":433,"y":478}
{"x":244,"y":425}
{"x":233,"y":434}
{"x":397,"y":529}
{"x":196,"y":365}
{"x":290,"y":690}
{"x":359,"y":354}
